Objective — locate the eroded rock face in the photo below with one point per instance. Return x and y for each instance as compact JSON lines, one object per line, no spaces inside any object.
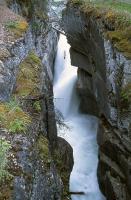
{"x":103,"y":75}
{"x":87,"y":52}
{"x":31,"y":162}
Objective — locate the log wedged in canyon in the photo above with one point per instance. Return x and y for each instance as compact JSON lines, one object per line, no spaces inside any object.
{"x":104,"y":75}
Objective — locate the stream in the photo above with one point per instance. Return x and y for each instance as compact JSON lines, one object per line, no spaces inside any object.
{"x":81,"y":133}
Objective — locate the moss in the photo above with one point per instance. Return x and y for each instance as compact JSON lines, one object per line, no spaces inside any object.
{"x":17,"y":27}
{"x":110,"y":4}
{"x":76,"y":2}
{"x":44,"y":153}
{"x":4,"y":148}
{"x":126,"y":97}
{"x":32,"y":57}
{"x":122,"y":40}
{"x":12,"y":116}
{"x":40,"y":14}
{"x":42,"y":144}
{"x":37,"y":106}
{"x":62,"y":170}
{"x":43,"y":149}
{"x":117,"y":23}
{"x":5,"y":175}
{"x":27,"y":82}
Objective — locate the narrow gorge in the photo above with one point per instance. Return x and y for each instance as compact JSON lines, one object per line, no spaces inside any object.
{"x":65,"y":100}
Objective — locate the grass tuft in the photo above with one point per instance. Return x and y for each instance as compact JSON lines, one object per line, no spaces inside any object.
{"x":13,"y":118}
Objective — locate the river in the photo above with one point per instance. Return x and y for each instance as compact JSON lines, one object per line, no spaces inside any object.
{"x":82,"y":130}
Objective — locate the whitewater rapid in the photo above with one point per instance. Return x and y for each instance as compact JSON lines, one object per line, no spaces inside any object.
{"x":82,"y":128}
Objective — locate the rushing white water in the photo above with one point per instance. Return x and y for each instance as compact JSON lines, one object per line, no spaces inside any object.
{"x":82,"y":132}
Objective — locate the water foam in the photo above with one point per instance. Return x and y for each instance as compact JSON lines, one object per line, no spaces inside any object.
{"x":82,"y":128}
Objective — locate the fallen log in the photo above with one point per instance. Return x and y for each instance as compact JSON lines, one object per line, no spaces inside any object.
{"x":76,"y":193}
{"x":37,"y":97}
{"x":58,"y":30}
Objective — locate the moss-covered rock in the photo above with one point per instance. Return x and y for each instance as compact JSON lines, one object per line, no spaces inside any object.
{"x":12,"y":27}
{"x":114,"y":22}
{"x":28,"y":82}
{"x":43,"y":149}
{"x":126,"y":97}
{"x":16,"y":27}
{"x":63,"y":158}
{"x":13,"y":118}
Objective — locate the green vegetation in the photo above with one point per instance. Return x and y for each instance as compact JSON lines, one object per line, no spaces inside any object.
{"x":43,"y":150}
{"x":115,"y":16}
{"x":28,"y":78}
{"x":122,"y":40}
{"x":112,"y":4}
{"x":34,"y":58}
{"x":40,"y":14}
{"x":17,"y":27}
{"x":37,"y":106}
{"x":13,"y":118}
{"x":121,"y":25}
{"x":77,"y":2}
{"x":126,"y":96}
{"x":63,"y":172}
{"x":4,"y":148}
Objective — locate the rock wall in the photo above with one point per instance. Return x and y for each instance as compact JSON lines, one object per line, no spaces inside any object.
{"x":31,"y":159}
{"x":103,"y":75}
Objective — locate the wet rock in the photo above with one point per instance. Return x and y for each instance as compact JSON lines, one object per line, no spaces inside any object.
{"x":66,"y":154}
{"x":33,"y":177}
{"x":87,"y":52}
{"x":80,"y":60}
{"x":104,"y":76}
{"x":114,"y":188}
{"x":63,"y":157}
{"x":114,"y":158}
{"x":86,"y":93}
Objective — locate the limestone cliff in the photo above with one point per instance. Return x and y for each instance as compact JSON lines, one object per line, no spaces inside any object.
{"x":28,"y":136}
{"x":104,"y":86}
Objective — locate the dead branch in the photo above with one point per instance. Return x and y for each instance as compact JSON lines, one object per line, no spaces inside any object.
{"x":76,"y":193}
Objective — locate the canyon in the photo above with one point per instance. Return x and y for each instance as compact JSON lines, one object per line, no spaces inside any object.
{"x":65,"y":128}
